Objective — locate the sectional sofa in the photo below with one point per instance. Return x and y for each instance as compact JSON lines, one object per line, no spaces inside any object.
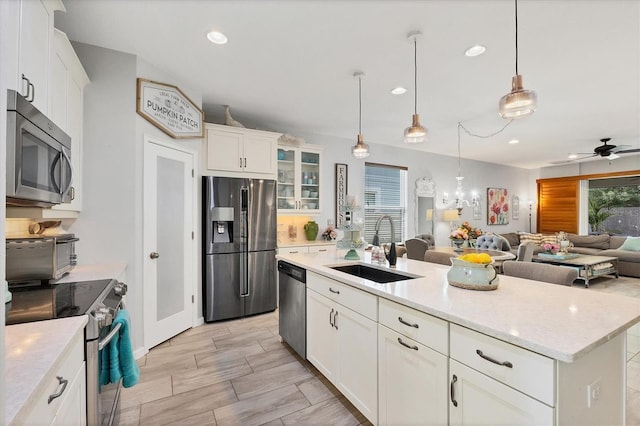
{"x":599,"y":245}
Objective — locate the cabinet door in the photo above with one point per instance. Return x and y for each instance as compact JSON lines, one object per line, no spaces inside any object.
{"x":36,"y":29}
{"x":287,"y":179}
{"x":293,"y":250}
{"x":73,"y":409}
{"x":309,"y":181}
{"x":224,"y":151}
{"x":258,"y":154}
{"x":322,"y":337}
{"x":358,"y":350}
{"x":413,"y":381}
{"x":482,"y":400}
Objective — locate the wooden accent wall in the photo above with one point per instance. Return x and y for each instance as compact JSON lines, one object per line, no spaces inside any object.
{"x":558,"y":205}
{"x":559,"y":201}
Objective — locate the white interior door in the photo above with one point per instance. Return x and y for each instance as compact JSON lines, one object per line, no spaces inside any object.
{"x":169,"y":191}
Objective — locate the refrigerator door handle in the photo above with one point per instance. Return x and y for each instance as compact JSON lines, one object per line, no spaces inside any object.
{"x":244,"y":234}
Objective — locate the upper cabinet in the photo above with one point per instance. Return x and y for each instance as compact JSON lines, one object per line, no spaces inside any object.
{"x":34,"y":50}
{"x":68,"y":80}
{"x":299,"y":179}
{"x":240,"y":152}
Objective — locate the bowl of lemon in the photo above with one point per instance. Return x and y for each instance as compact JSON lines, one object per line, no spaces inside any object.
{"x":473,"y":271}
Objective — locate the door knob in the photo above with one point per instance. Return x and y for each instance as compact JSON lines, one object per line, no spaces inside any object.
{"x":154,"y":255}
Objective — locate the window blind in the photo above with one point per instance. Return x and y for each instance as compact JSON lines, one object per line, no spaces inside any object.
{"x":385,"y":193}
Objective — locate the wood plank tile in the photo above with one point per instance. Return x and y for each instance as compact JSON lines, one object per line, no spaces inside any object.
{"x":276,"y":422}
{"x":268,"y":380}
{"x":145,"y":392}
{"x":316,"y":391}
{"x":242,"y":339}
{"x":262,"y":408}
{"x":187,"y":404}
{"x":130,"y":416}
{"x":228,"y":369}
{"x":230,"y":353}
{"x":209,"y":333}
{"x":204,"y":419}
{"x":166,"y":366}
{"x":329,"y":412}
{"x":271,"y":343}
{"x":168,"y":353}
{"x":270,"y":359}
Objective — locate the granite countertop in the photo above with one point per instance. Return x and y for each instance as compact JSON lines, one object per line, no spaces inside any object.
{"x":557,"y":321}
{"x":31,"y":351}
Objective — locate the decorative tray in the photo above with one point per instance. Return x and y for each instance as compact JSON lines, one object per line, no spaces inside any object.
{"x":558,"y":256}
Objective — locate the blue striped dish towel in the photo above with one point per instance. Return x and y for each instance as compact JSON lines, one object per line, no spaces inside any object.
{"x":121,"y":362}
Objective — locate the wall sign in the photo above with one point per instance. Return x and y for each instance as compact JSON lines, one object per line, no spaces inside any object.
{"x":170,"y":110}
{"x":497,"y":206}
{"x":341,"y":192}
{"x":515,"y":207}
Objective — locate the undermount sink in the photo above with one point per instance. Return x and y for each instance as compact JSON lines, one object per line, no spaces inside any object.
{"x":373,"y":274}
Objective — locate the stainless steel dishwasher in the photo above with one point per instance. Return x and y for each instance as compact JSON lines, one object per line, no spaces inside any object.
{"x":293,"y":306}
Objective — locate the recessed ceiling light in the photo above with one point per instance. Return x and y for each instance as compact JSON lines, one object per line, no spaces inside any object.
{"x":476,"y":50}
{"x":217,"y":37}
{"x":514,"y":141}
{"x":399,"y":90}
{"x":572,"y":156}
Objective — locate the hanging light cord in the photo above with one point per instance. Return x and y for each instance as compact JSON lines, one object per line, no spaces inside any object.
{"x":475,"y":135}
{"x":459,"y":126}
{"x":359,"y":105}
{"x":415,"y":74}
{"x":516,"y":37}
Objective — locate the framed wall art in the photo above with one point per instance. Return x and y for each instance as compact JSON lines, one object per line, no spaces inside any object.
{"x":341,"y":191}
{"x":170,"y":110}
{"x":497,"y":206}
{"x":515,"y":207}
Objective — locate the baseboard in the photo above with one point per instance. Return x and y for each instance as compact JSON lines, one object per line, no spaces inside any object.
{"x":199,"y":321}
{"x":140,"y":352}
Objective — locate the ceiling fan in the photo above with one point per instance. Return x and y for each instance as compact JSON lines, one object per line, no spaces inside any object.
{"x":605,"y":150}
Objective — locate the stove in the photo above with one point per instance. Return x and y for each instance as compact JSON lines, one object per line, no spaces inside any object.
{"x":100,"y":300}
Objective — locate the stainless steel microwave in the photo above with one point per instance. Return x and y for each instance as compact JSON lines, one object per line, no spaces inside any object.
{"x":38,"y":157}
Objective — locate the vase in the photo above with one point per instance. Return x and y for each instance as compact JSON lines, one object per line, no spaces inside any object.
{"x":458,"y":243}
{"x":311,"y":230}
{"x":472,"y":276}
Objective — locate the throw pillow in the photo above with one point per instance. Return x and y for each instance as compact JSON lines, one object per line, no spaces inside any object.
{"x":526,"y":237}
{"x":549,"y":239}
{"x":631,"y":244}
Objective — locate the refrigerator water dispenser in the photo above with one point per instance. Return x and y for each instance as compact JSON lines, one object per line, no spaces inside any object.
{"x":222,"y":224}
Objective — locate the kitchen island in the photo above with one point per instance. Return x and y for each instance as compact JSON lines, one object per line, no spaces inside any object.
{"x":529,"y":351}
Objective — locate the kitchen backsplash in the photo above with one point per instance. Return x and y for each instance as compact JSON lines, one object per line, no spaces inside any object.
{"x":291,"y":228}
{"x":17,"y":226}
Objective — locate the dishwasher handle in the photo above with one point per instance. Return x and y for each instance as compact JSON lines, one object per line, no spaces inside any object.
{"x":293,"y":271}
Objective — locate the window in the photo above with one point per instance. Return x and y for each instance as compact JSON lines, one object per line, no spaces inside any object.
{"x":613,"y":205}
{"x":385,"y":193}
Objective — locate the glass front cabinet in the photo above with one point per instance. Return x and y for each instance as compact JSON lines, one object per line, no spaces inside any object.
{"x":299,"y":179}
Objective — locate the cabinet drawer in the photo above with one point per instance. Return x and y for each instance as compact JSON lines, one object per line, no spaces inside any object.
{"x":322,"y":249}
{"x":423,"y":328}
{"x":362,"y":302}
{"x":293,"y":250}
{"x":66,"y":367}
{"x":530,"y":373}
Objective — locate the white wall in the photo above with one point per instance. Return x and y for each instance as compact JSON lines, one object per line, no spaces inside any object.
{"x":600,"y":165}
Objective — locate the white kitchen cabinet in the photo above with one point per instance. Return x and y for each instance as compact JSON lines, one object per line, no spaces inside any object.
{"x":67,"y":85}
{"x":240,"y":152}
{"x":478,"y":399}
{"x":328,"y":247}
{"x":34,"y":50}
{"x":299,"y":179}
{"x":412,"y":381}
{"x":342,"y":343}
{"x":69,"y":408}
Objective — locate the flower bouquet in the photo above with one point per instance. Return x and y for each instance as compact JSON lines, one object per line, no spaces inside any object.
{"x":551,"y":248}
{"x":329,"y":233}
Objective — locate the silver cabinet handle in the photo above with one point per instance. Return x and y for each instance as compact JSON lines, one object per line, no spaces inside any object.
{"x":320,"y":250}
{"x":294,"y":251}
{"x":495,"y":361}
{"x":334,"y":291}
{"x":331,"y":318}
{"x":414,"y":347}
{"x":240,"y":162}
{"x":335,"y":320}
{"x":245,"y":162}
{"x":407,"y":323}
{"x":62,"y":382}
{"x":154,"y":255}
{"x":454,"y":379}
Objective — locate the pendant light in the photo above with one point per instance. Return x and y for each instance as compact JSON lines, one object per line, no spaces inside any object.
{"x":519,"y":102}
{"x":415,"y":133}
{"x":360,"y":149}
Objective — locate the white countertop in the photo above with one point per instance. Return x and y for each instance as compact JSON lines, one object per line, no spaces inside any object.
{"x":31,"y":351}
{"x":306,"y":243}
{"x":557,"y":321}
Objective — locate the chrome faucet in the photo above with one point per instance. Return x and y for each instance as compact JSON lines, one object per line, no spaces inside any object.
{"x":391,"y":254}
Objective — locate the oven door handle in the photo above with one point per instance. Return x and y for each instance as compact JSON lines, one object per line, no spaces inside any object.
{"x":69,"y":240}
{"x":104,"y":342}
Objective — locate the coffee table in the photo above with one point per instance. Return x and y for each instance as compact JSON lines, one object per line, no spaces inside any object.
{"x":588,"y":266}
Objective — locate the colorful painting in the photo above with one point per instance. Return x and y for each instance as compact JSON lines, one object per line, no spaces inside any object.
{"x":497,"y":206}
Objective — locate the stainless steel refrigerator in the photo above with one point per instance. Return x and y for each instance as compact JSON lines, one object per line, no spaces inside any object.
{"x":239,"y":242}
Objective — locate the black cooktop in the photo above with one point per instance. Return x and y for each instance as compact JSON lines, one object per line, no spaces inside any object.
{"x":36,"y":301}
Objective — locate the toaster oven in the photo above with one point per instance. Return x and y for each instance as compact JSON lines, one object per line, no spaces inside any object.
{"x":39,"y":257}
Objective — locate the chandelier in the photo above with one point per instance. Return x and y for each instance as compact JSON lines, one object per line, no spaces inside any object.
{"x":460,"y":201}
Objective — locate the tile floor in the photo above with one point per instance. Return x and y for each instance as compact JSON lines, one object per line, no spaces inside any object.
{"x":237,"y":372}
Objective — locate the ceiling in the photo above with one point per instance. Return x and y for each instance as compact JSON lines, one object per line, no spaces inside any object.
{"x":288,"y":66}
